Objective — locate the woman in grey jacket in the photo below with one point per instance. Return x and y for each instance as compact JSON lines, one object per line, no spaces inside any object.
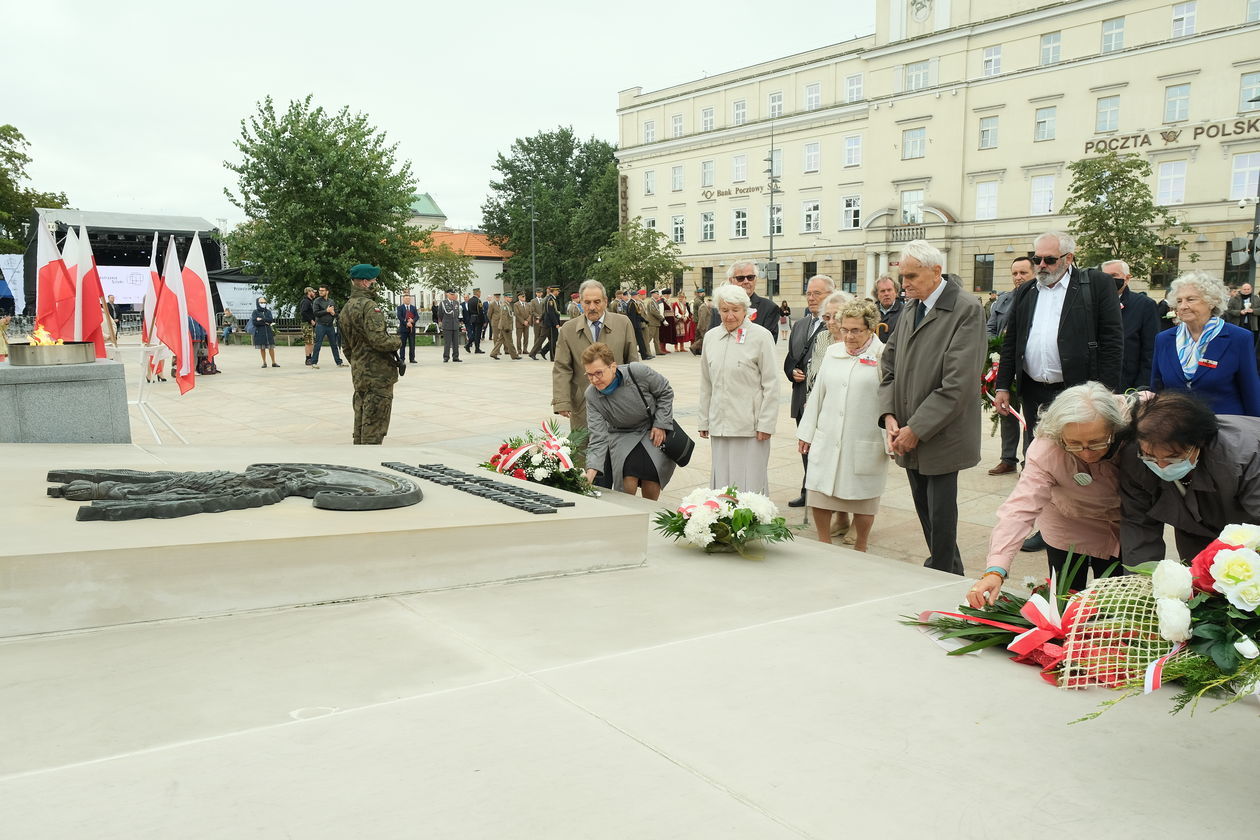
{"x":629,"y":410}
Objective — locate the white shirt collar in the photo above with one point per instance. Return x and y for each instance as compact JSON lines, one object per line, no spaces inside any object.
{"x":931,"y":299}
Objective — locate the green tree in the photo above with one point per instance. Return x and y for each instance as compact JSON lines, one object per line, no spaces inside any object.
{"x":18,"y":202}
{"x":636,"y":258}
{"x":321,"y":192}
{"x":571,"y":185}
{"x":442,"y":268}
{"x":1117,"y":217}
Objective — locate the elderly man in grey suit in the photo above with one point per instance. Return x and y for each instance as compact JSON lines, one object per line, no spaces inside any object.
{"x":800,"y":348}
{"x":596,"y":324}
{"x":928,"y":401}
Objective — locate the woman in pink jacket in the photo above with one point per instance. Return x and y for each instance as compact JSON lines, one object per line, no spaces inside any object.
{"x":1069,"y":488}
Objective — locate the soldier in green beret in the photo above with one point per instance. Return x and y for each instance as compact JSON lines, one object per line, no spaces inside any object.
{"x":373,"y":356}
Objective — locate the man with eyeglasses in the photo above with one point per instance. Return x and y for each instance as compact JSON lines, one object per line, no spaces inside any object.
{"x":763,"y":311}
{"x":1188,"y":468}
{"x":595,"y":325}
{"x":800,"y":348}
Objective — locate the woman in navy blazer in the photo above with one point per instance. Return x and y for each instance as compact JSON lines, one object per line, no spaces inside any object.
{"x":1204,"y":355}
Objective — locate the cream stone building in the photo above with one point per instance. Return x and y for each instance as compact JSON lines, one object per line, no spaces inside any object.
{"x":954,"y":122}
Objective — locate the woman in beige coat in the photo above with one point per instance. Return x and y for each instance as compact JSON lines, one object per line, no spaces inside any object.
{"x":739,"y":394}
{"x":848,"y":464}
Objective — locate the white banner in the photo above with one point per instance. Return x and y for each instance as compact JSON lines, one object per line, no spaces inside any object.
{"x":124,"y":282}
{"x":241,"y":298}
{"x":11,"y":270}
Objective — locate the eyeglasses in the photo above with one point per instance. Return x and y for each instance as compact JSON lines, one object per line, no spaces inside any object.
{"x":1092,"y":447}
{"x":1167,"y":459}
{"x":744,"y":277}
{"x":857,"y":331}
{"x":1046,"y":260}
{"x":596,"y":374}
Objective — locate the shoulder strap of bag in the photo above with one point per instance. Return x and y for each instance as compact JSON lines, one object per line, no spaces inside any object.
{"x":651,"y":414}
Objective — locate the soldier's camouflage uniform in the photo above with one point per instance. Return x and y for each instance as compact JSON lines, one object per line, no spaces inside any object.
{"x":373,"y":357}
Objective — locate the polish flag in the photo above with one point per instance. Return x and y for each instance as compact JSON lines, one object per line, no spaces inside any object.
{"x":170,"y":319}
{"x":197,"y":292}
{"x":54,"y":288}
{"x":89,"y":298}
{"x":152,"y":290}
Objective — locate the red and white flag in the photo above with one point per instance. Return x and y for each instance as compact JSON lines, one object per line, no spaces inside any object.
{"x":170,"y":319}
{"x":54,"y":290}
{"x":89,"y":316}
{"x":197,"y":291}
{"x":152,"y":289}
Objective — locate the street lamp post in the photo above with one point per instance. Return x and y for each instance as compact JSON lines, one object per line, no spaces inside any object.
{"x":772,"y":268}
{"x":533,"y":261}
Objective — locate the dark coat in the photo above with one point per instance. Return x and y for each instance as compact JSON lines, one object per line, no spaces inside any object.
{"x":306,"y":310}
{"x":1223,"y":488}
{"x":800,"y":348}
{"x":888,"y":320}
{"x":928,"y":377}
{"x":1079,"y":361}
{"x":767,"y":314}
{"x":1141,"y":325}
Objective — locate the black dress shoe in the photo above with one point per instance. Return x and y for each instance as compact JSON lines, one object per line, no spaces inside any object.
{"x":799,"y":501}
{"x":1034,"y":543}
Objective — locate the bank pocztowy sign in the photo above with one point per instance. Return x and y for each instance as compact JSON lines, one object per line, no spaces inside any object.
{"x":1123,"y":142}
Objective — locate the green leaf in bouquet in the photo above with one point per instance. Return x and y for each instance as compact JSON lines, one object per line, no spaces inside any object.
{"x":980,"y":645}
{"x":1199,"y":598}
{"x":1144,"y":568}
{"x":721,"y":532}
{"x":1225,"y":657}
{"x":1208,"y":631}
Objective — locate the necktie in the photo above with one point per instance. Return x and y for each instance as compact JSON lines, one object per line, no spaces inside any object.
{"x":595,"y":328}
{"x":919,"y":312}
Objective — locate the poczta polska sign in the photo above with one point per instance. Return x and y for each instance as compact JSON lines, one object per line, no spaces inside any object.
{"x":1128,"y":142}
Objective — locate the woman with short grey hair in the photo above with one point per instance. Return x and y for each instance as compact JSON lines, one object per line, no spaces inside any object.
{"x":739,"y":394}
{"x":1070,"y":489}
{"x":1204,"y":354}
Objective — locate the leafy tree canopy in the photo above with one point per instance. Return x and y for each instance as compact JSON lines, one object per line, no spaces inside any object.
{"x":572,"y":187}
{"x":1117,"y":217}
{"x":636,"y":257}
{"x":18,"y":202}
{"x":321,"y":192}
{"x":442,"y":268}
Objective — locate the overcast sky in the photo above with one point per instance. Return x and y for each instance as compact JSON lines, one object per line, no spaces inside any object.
{"x":132,"y":105}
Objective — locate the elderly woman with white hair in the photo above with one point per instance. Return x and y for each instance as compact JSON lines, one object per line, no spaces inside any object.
{"x":739,"y":394}
{"x":839,"y":429}
{"x":1205,"y":355}
{"x":1070,"y":488}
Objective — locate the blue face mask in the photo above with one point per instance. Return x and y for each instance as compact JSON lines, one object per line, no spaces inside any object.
{"x":1175,"y":471}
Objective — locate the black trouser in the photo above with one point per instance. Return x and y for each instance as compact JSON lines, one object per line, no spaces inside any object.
{"x":1084,"y":565}
{"x":408,"y":337}
{"x":1034,"y":396}
{"x":638,"y":339}
{"x":936,"y":501}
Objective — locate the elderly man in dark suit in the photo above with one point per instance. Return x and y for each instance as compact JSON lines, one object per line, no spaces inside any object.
{"x":928,"y":402}
{"x":595,"y":324}
{"x":800,"y":348}
{"x":763,"y":310}
{"x":1141,"y":325}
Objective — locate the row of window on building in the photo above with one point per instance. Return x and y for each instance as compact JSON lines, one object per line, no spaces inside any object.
{"x":1170,"y":190}
{"x":923,"y":74}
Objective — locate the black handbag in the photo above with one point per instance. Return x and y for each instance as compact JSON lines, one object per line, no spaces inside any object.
{"x":677,"y":445}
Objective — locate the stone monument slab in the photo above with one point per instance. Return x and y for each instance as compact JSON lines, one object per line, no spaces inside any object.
{"x":85,"y":403}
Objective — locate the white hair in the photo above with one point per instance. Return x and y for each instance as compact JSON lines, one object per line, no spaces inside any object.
{"x":730,"y":272}
{"x":1083,"y":404}
{"x":1214,"y":292}
{"x":838,"y":299}
{"x":924,"y":253}
{"x":731,"y":293}
{"x":592,"y":284}
{"x":827,"y":281}
{"x":1124,"y":266}
{"x":1067,"y":245}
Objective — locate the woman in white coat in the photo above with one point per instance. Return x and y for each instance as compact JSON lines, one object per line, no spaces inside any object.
{"x":848,"y":464}
{"x":739,"y":394}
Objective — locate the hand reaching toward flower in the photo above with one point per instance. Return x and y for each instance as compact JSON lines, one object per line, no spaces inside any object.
{"x":984,"y":592}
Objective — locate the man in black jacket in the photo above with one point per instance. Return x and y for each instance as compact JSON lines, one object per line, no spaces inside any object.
{"x":474,"y":322}
{"x":325,"y":325}
{"x":888,"y":297}
{"x":306,"y":317}
{"x":764,"y":312}
{"x":800,"y":348}
{"x":1141,"y":325}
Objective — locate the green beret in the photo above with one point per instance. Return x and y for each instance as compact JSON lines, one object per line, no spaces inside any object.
{"x":363,"y":271}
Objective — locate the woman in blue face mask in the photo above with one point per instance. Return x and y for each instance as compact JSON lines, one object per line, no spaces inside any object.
{"x":1188,"y":468}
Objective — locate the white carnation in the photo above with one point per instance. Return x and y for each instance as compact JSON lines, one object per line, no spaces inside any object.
{"x":761,"y":506}
{"x":1172,"y":579}
{"x":1174,"y":619}
{"x":564,"y":442}
{"x":995,"y":357}
{"x":541,"y":473}
{"x":536,"y":458}
{"x":697,"y":530}
{"x":699,"y":496}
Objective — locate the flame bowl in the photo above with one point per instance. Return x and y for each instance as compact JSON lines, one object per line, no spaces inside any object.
{"x":70,"y":353}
